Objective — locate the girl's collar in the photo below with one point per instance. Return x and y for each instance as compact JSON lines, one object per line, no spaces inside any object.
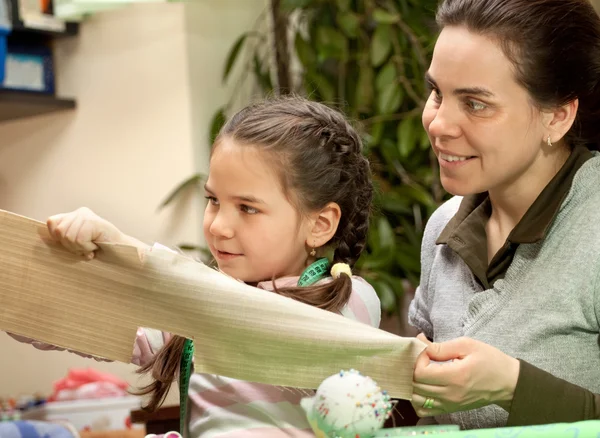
{"x":314,"y":273}
{"x":282,"y":282}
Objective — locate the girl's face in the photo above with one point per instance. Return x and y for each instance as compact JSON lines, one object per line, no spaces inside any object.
{"x":482,"y":125}
{"x":251,"y":228}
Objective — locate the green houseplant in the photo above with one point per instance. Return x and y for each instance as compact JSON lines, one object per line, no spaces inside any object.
{"x":368,"y":57}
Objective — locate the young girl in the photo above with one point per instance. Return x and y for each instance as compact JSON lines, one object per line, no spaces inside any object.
{"x":287,"y":181}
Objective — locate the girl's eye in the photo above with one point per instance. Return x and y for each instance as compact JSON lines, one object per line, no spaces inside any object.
{"x":476,"y":106}
{"x":212,"y":200}
{"x":249,"y":210}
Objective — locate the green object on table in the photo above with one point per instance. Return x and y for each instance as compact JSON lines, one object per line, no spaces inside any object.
{"x":582,"y":429}
{"x":315,"y":272}
{"x":185,"y":372}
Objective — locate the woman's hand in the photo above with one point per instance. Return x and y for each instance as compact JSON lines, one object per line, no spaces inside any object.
{"x":472,"y":374}
{"x":79,"y":231}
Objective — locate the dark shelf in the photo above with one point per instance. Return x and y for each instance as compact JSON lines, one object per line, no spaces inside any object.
{"x":22,"y":32}
{"x":19,"y":104}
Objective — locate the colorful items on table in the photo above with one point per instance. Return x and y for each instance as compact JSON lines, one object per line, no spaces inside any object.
{"x":36,"y":429}
{"x":419,"y":430}
{"x":166,"y":435}
{"x":88,"y":383}
{"x":582,"y":429}
{"x":347,"y":405}
{"x":11,"y":409}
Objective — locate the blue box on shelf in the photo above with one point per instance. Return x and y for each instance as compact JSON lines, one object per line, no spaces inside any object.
{"x":3,"y":34}
{"x":29,"y":68}
{"x":5,"y":27}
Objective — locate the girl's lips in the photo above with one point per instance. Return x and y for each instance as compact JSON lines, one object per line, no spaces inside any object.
{"x":222,"y":255}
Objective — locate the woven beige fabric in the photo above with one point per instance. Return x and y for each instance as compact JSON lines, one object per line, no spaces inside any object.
{"x":95,"y":307}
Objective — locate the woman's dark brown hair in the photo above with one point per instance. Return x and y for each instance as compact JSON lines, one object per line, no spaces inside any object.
{"x":554,"y":46}
{"x":319,"y":159}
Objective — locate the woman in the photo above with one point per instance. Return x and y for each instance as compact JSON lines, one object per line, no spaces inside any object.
{"x":509,"y":292}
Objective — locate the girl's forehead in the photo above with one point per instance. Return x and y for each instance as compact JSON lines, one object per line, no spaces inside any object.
{"x":230,"y":155}
{"x":243,"y":168}
{"x":229,"y":149}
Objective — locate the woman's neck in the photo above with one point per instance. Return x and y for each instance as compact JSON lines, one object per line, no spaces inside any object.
{"x":510,"y":203}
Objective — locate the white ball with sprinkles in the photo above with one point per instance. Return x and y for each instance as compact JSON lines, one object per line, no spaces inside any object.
{"x":347,"y":405}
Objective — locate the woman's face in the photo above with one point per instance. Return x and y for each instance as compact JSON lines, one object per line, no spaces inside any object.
{"x":483,"y":127}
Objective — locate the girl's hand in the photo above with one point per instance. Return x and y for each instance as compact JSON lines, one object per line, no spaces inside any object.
{"x":80,"y":230}
{"x":472,"y":375}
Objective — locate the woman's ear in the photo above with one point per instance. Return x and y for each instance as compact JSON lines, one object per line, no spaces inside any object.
{"x":324,"y":224}
{"x":560,"y":120}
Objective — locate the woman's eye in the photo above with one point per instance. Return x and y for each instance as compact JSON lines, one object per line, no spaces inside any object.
{"x":475,"y":105}
{"x":436,"y":95}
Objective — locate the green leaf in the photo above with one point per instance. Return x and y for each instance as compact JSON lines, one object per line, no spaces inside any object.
{"x":381,"y":45}
{"x":393,"y":202}
{"x":349,"y":22}
{"x":403,"y":42}
{"x":389,"y":150}
{"x":417,"y":194}
{"x":233,"y":54}
{"x":262,"y":77}
{"x":373,"y":240}
{"x":404,"y":6}
{"x":414,"y":237}
{"x":217,"y":122}
{"x":386,"y":295}
{"x":325,"y":89}
{"x":343,"y":5}
{"x":365,"y":93}
{"x":378,"y":260}
{"x":424,"y":143}
{"x":390,"y":98}
{"x":290,"y":5}
{"x":395,"y":282}
{"x":386,"y":233}
{"x":414,"y":279}
{"x":374,"y":136}
{"x":305,"y":52}
{"x":407,"y":261}
{"x":381,"y":240}
{"x":382,"y":16}
{"x":386,"y":75}
{"x":331,"y":43}
{"x":406,"y":137}
{"x":193,"y":181}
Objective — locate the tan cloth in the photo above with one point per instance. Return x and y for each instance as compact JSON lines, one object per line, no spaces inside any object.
{"x":52,"y":295}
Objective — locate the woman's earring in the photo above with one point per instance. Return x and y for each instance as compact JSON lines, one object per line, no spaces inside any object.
{"x":549,"y":141}
{"x":313,"y":252}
